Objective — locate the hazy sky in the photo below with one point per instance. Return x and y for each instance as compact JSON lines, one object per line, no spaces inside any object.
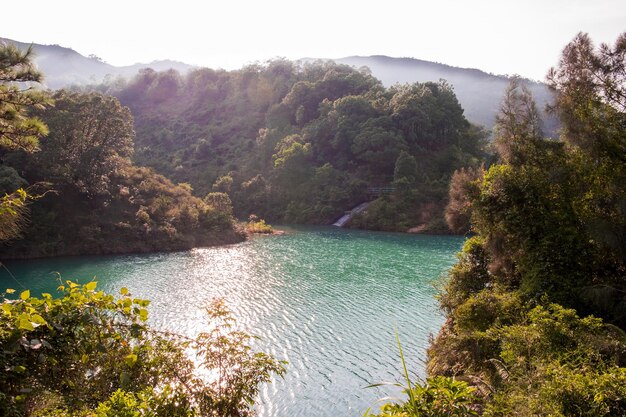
{"x":500,"y":36}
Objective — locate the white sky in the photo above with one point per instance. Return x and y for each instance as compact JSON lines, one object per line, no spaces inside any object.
{"x":500,"y":36}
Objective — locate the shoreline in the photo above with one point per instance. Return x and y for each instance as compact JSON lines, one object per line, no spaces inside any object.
{"x":139,"y":247}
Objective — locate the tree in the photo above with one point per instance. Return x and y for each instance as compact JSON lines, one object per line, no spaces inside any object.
{"x":18,"y":131}
{"x":462,"y":192}
{"x":406,"y":167}
{"x":13,"y":214}
{"x":292,"y":160}
{"x":220,"y":202}
{"x":91,"y":137}
{"x":590,"y":88}
{"x":18,"y":94}
{"x":518,"y":125}
{"x":223,"y":184}
{"x":378,"y":149}
{"x":549,"y":220}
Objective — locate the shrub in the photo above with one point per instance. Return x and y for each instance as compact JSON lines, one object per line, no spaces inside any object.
{"x":88,"y":351}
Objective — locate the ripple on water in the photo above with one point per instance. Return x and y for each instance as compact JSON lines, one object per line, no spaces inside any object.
{"x":327,"y":300}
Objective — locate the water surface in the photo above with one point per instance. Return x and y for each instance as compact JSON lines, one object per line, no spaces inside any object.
{"x":325,"y":299}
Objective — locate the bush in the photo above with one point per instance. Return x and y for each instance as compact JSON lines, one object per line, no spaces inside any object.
{"x":88,"y":351}
{"x":256,"y":225}
{"x":437,"y":397}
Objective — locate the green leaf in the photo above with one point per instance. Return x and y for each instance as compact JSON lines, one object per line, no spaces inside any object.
{"x":124,"y":378}
{"x":25,"y":324}
{"x":37,"y":319}
{"x":10,"y":291}
{"x":130,"y":359}
{"x":6,"y":307}
{"x":124,"y":291}
{"x":25,"y":295}
{"x":143,"y":314}
{"x":19,"y":369}
{"x":90,"y":286}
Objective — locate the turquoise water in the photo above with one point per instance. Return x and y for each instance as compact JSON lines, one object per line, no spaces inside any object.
{"x":325,"y":299}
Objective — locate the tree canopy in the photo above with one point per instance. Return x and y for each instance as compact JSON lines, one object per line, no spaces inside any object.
{"x":535,"y":303}
{"x":293,"y":125}
{"x":18,"y":131}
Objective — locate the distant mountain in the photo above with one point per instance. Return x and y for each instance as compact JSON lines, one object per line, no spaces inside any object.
{"x":479,"y":93}
{"x":63,"y":67}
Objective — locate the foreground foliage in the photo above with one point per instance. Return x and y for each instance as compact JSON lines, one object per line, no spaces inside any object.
{"x":535,"y":303}
{"x":437,"y":397}
{"x":89,"y":353}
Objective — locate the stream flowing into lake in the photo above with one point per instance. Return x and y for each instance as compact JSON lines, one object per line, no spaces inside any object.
{"x":327,"y":300}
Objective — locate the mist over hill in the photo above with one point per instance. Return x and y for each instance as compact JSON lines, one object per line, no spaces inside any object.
{"x":64,"y":67}
{"x":479,"y":93}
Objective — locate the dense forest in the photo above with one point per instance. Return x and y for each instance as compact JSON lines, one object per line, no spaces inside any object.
{"x":87,"y":196}
{"x":285,"y":142}
{"x":302,"y":143}
{"x":536,"y":302}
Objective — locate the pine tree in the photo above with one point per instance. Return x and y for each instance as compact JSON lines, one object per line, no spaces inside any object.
{"x":18,"y":131}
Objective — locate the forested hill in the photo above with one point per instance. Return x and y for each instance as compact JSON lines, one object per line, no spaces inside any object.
{"x":303,"y":142}
{"x":479,"y":93}
{"x":64,"y":67}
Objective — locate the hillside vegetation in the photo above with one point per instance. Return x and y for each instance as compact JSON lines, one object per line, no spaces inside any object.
{"x":479,"y":93}
{"x":302,"y":144}
{"x":87,"y":197}
{"x":535,"y":304}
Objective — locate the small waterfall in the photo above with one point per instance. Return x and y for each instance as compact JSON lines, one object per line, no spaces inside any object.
{"x":348,"y":215}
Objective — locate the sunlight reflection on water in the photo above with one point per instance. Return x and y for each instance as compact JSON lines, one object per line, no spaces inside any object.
{"x":326,"y":300}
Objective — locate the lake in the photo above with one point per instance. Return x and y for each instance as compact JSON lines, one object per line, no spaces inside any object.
{"x":325,"y":299}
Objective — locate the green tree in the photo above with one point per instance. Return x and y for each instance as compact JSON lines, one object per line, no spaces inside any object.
{"x":521,"y":297}
{"x":223,"y":184}
{"x":377,"y":150}
{"x":91,"y":138}
{"x":292,"y":160}
{"x":590,"y":88}
{"x":18,"y":77}
{"x":220,"y":202}
{"x":18,"y":130}
{"x":406,"y":168}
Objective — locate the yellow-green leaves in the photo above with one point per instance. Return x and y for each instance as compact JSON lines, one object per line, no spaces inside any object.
{"x":90,"y":286}
{"x":27,"y":321}
{"x":24,"y":323}
{"x":37,"y":319}
{"x":130,"y":359}
{"x":25,"y":295}
{"x":6,"y":308}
